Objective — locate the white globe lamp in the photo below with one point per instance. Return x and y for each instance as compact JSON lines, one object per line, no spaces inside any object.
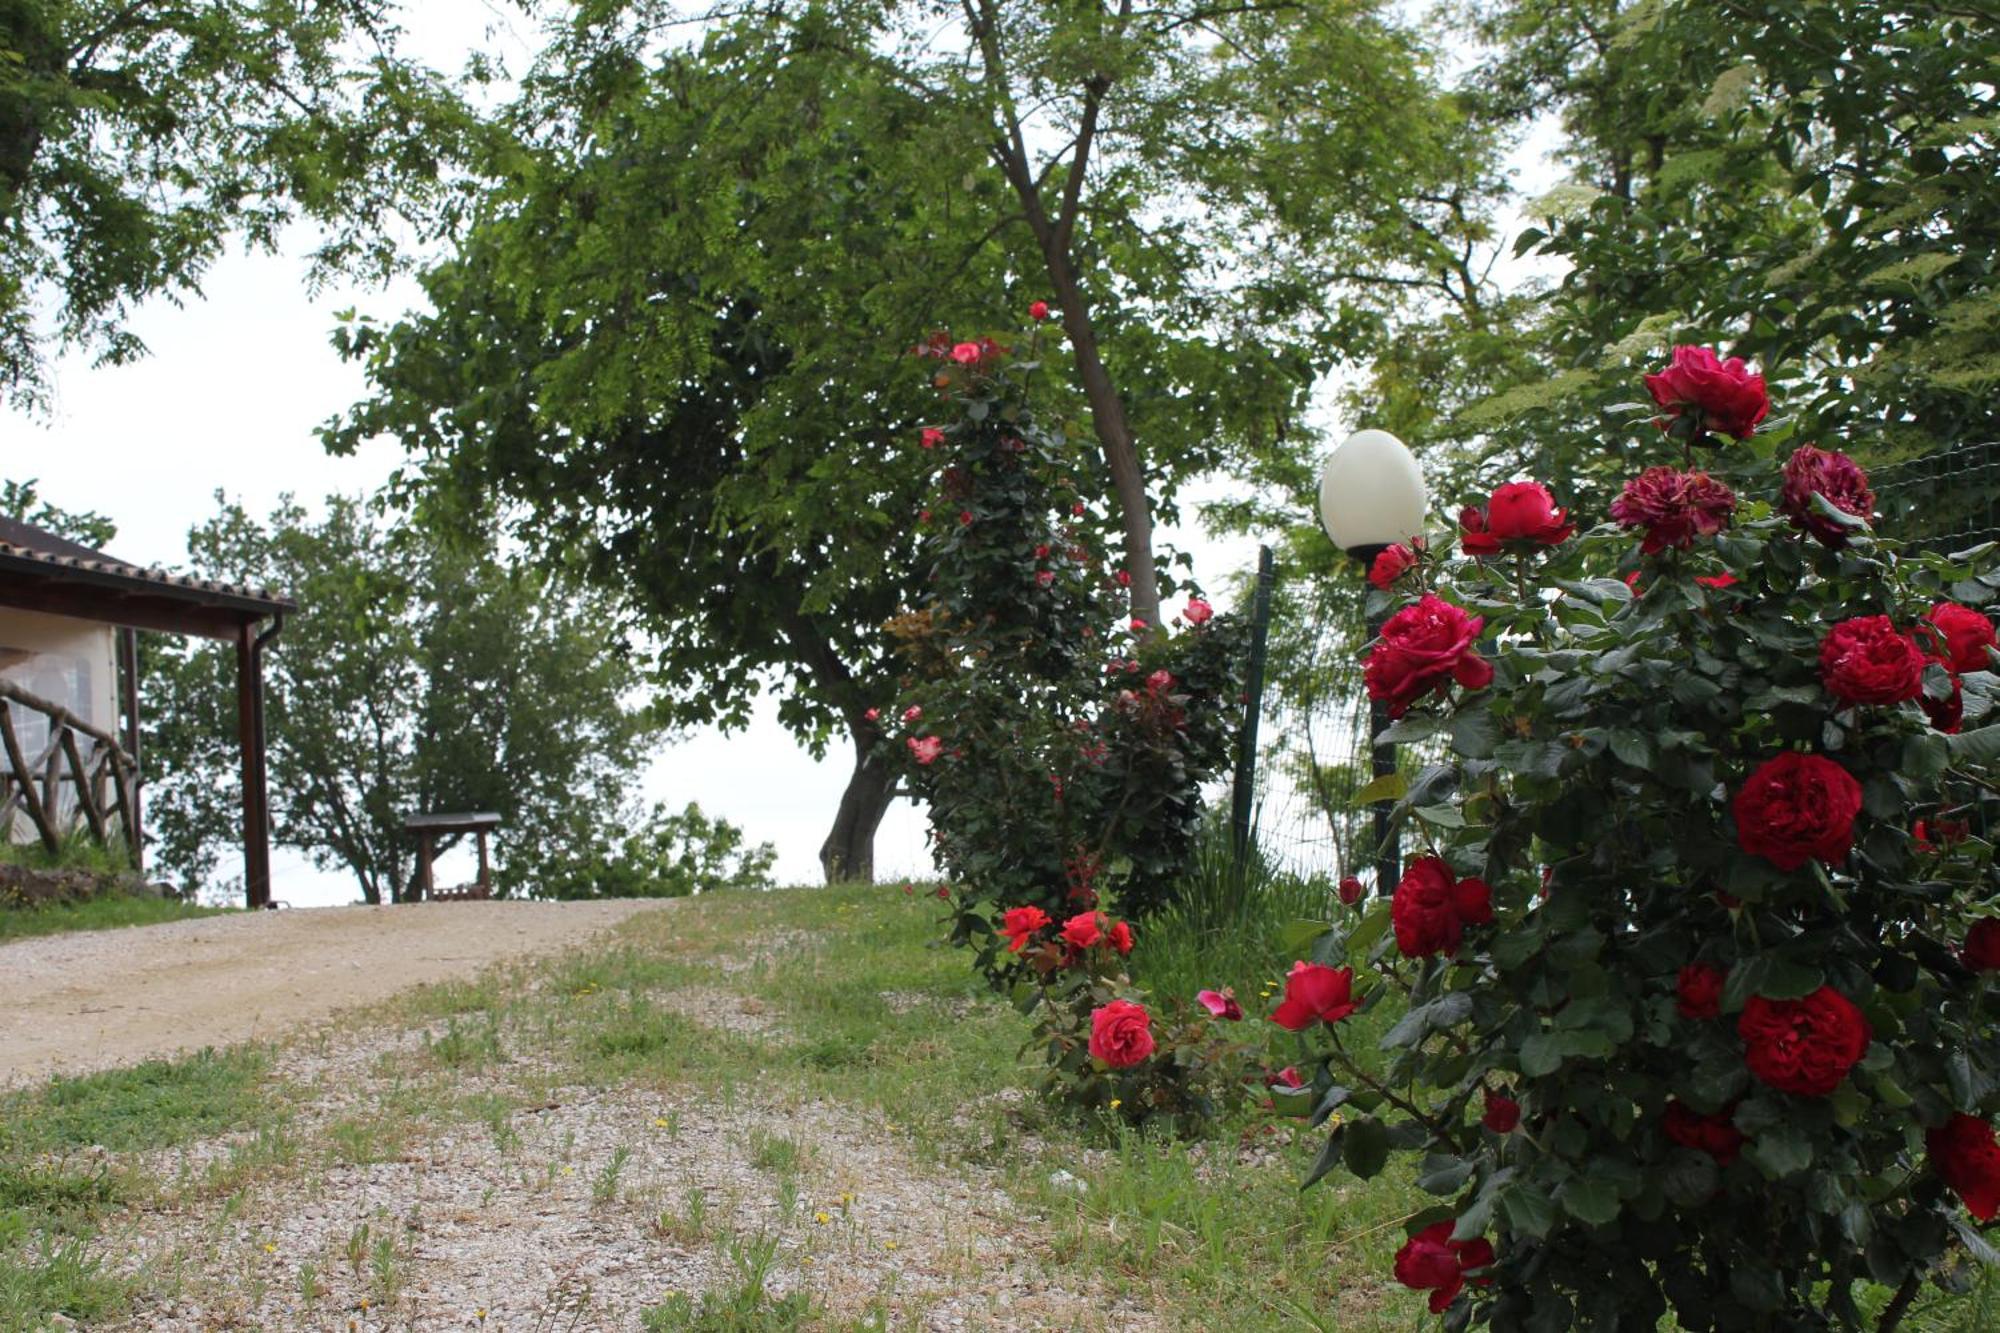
{"x":1371,"y":494}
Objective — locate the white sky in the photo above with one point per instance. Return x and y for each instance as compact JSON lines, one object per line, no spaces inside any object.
{"x":236,"y":382}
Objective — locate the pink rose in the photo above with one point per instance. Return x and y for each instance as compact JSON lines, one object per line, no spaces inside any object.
{"x":933,"y":437}
{"x":1198,"y":611}
{"x":1222,"y":1004}
{"x":873,"y":714}
{"x":914,"y":713}
{"x":966,"y":354}
{"x":1730,"y":399}
{"x":1138,"y":625}
{"x":1160,"y":681}
{"x":925,"y":749}
{"x":1045,"y":578}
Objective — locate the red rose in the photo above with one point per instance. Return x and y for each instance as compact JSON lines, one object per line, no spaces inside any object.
{"x":1083,"y":930}
{"x":1966,"y":1158}
{"x":1730,"y":399}
{"x":1982,"y":945}
{"x":1715,"y":1135}
{"x":1431,"y":908}
{"x":1425,"y":647}
{"x":1350,"y":890}
{"x":1804,"y":1047}
{"x":1502,"y":1113}
{"x":1948,"y":713}
{"x":1699,"y":990}
{"x":1833,"y":476}
{"x":933,"y":437}
{"x":1220,"y":1003}
{"x":1716,"y":581}
{"x":1120,"y":937}
{"x":1431,"y":1260}
{"x":1795,"y":808}
{"x":1121,"y":1034}
{"x":1674,"y":507}
{"x":1018,"y":923}
{"x":1038,"y":310}
{"x":1967,"y":635}
{"x":1867,"y":660}
{"x":1315,"y":993}
{"x":1394,"y":562}
{"x":1519,"y":511}
{"x":1288,"y":1077}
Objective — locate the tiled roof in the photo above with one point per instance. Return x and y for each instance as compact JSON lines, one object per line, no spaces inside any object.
{"x":23,"y":547}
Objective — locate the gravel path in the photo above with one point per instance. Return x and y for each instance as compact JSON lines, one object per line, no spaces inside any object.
{"x":89,"y":1000}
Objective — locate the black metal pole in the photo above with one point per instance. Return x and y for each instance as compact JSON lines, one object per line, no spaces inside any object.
{"x":1388,"y":848}
{"x":1253,"y":707}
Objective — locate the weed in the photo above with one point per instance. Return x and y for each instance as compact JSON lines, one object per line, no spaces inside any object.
{"x":604,"y":1185}
{"x":153,"y":1105}
{"x":310,"y":1289}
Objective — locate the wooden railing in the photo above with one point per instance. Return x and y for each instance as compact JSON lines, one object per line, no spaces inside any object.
{"x":79,"y":761}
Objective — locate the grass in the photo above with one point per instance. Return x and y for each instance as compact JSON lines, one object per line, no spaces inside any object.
{"x":859,"y":1012}
{"x":111,"y":912}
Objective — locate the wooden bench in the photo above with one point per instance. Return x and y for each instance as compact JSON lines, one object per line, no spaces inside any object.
{"x":428,"y":828}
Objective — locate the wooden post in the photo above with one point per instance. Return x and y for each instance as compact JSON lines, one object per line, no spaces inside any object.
{"x":128,"y":787}
{"x":485,"y":876}
{"x":425,"y":888}
{"x":256,"y":808}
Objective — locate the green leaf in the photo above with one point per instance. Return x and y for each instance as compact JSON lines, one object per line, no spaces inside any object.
{"x":1295,"y":939}
{"x":1442,"y":1173}
{"x":1362,"y":938}
{"x":1770,"y":976}
{"x":1387,"y":787}
{"x":1975,"y":748}
{"x":1474,"y":733}
{"x":1415,"y":727}
{"x":1365,"y":1147}
{"x":1440,"y":816}
{"x":1588,"y":1200}
{"x":1780,"y":1151}
{"x":1329,"y":1157}
{"x":1527,"y":1210}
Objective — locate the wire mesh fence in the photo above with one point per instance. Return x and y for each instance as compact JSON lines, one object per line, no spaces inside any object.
{"x":1945,"y":501}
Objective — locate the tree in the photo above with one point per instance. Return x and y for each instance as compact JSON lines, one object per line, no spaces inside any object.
{"x":136,"y":139}
{"x":418,"y":676}
{"x":20,"y":500}
{"x":674,"y":337}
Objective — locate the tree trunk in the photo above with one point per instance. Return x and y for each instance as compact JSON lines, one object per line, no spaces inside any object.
{"x":848,"y":854}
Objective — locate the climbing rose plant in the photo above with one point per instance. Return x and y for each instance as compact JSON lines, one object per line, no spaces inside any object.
{"x":1698,"y":938}
{"x":1061,"y":747}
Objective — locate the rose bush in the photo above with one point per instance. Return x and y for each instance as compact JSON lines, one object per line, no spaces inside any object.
{"x":1703,"y":892}
{"x":1060,"y":746}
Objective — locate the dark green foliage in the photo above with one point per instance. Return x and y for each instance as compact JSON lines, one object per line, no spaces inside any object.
{"x":668,"y":854}
{"x":137,"y":139}
{"x":419,"y":675}
{"x":1598,"y":805}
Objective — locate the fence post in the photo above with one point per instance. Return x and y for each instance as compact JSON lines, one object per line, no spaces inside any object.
{"x":1253,"y":705}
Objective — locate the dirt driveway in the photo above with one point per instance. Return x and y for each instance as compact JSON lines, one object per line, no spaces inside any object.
{"x":90,"y":1000}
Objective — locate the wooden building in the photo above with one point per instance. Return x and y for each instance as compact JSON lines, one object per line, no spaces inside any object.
{"x":70,"y":734}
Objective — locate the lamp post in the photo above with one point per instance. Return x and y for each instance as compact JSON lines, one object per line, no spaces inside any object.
{"x":1371,"y":496}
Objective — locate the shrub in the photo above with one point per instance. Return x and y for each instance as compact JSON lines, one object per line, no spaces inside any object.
{"x":1694,"y":944}
{"x":1060,"y":747}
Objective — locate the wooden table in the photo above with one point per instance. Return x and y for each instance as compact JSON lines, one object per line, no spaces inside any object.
{"x":428,"y":827}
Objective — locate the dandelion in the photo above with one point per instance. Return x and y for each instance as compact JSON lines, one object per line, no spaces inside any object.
{"x":270,"y":1248}
{"x":659,"y":1122}
{"x":889,"y":1245}
{"x":1116,"y":1103}
{"x":821,"y":1218}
